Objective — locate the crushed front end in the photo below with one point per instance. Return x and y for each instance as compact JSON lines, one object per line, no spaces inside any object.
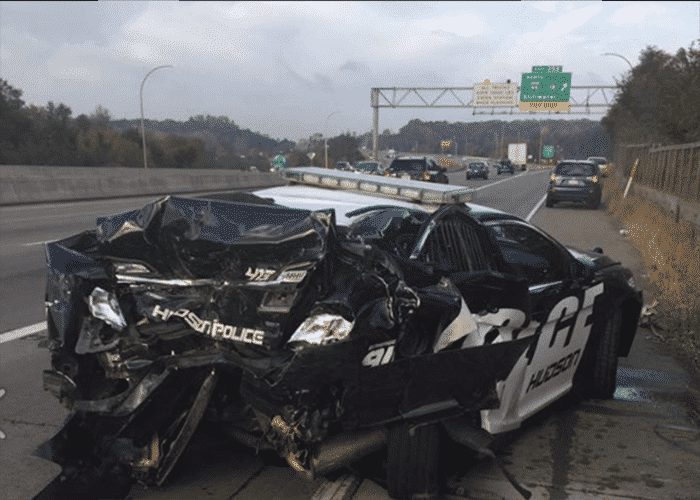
{"x":290,"y":332}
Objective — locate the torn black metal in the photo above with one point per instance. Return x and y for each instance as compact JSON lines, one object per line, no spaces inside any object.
{"x":319,"y":335}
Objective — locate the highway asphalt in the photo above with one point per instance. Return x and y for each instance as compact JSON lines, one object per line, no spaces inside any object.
{"x":616,"y":449}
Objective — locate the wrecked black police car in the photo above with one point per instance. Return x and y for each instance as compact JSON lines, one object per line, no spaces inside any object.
{"x":340,"y":316}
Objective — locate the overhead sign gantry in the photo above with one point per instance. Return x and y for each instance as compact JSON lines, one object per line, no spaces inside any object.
{"x":489,"y":98}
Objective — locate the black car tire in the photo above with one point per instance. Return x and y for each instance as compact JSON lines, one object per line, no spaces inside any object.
{"x":599,"y":371}
{"x":548,"y":202}
{"x":498,"y":172}
{"x":593,"y":203}
{"x":413,"y":466}
{"x":468,"y":177}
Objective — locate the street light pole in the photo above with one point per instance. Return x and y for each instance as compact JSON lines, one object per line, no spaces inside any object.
{"x":615,"y":54}
{"x":325,"y":139}
{"x":143,"y":129}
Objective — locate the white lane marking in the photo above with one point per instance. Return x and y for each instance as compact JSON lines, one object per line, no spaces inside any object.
{"x":537,"y":207}
{"x":22,"y":332}
{"x":506,"y":179}
{"x":343,"y":488}
{"x":33,"y":243}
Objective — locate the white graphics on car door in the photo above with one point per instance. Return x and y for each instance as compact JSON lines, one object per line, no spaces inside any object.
{"x":538,"y":380}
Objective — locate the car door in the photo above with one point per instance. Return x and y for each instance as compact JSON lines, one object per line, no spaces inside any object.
{"x":561,"y":323}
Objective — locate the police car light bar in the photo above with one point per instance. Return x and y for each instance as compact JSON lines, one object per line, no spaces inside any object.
{"x":393,"y":187}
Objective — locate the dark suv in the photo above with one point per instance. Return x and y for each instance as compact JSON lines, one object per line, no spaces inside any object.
{"x":478,"y":169}
{"x":574,"y":180}
{"x":419,"y":168}
{"x":505,"y":166}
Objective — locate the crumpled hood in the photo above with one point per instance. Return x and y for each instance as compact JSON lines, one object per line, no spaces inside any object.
{"x":593,"y":260}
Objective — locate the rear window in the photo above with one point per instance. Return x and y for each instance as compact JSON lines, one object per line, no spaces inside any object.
{"x":476,"y":165}
{"x":576,"y":169}
{"x":407,"y":165}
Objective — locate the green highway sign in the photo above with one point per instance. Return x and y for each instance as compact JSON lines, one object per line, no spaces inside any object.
{"x":279,"y":162}
{"x":547,"y":152}
{"x":546,"y":69}
{"x":545,"y":87}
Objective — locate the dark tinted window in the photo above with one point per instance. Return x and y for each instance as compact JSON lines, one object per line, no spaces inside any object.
{"x":404,"y":165}
{"x":530,"y":254}
{"x":454,"y":245}
{"x":576,"y":169}
{"x":476,"y":165}
{"x":367,"y":165}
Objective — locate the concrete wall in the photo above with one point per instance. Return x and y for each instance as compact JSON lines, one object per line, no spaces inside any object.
{"x":680,"y":208}
{"x":20,"y":184}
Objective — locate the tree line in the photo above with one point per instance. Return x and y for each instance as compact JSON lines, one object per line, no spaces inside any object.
{"x":50,"y":135}
{"x":659,"y":99}
{"x":572,"y":138}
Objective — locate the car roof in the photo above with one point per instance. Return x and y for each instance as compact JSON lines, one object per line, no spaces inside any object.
{"x":317,"y":198}
{"x":585,"y":162}
{"x":343,"y":202}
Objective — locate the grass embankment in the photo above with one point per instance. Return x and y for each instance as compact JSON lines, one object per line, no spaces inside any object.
{"x":671,"y":255}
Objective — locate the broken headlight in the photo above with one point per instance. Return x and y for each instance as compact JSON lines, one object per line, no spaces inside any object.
{"x":321,"y":329}
{"x":105,"y":306}
{"x":131,"y":268}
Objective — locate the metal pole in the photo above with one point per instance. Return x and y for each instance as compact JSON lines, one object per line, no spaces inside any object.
{"x":325,"y":138}
{"x":143,"y":128}
{"x":615,"y":54}
{"x":375,"y":123}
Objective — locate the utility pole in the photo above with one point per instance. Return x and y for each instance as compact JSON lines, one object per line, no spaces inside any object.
{"x":325,"y":138}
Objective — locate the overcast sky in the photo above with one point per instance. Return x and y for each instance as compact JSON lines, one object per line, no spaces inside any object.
{"x":281,"y":68}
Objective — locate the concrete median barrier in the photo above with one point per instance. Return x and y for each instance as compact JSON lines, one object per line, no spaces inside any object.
{"x":42,"y":184}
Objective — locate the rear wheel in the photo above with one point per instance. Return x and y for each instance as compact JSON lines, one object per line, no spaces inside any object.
{"x":548,"y":202}
{"x":413,"y":466}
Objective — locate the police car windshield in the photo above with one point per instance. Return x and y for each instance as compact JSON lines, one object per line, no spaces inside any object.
{"x":406,"y":165}
{"x":576,"y":169}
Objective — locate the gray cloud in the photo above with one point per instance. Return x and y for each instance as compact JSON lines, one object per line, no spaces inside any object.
{"x":281,"y":68}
